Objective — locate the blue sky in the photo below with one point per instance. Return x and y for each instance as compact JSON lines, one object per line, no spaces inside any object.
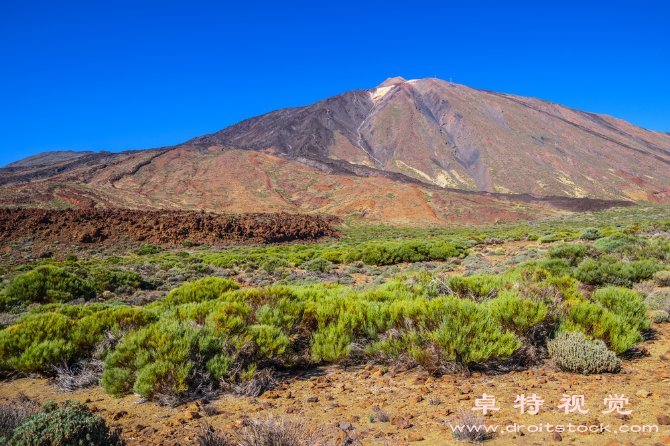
{"x":123,"y":75}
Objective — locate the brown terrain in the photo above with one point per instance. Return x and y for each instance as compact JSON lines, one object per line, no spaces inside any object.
{"x":425,"y":152}
{"x":108,"y":227}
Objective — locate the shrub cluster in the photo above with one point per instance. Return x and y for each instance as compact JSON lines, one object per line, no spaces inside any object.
{"x":208,"y":331}
{"x":45,"y":284}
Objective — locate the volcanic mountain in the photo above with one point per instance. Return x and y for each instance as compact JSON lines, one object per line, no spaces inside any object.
{"x":417,"y":150}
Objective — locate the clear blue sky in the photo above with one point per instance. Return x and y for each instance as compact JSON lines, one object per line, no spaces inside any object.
{"x":99,"y":75}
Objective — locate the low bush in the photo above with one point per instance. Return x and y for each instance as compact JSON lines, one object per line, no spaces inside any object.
{"x":659,"y":300}
{"x":662,"y":278}
{"x":318,"y":264}
{"x":659,"y":316}
{"x":273,"y":264}
{"x":169,"y":362}
{"x":517,"y":314}
{"x":147,"y":250}
{"x":45,"y":284}
{"x":573,"y":352}
{"x":628,"y":305}
{"x":609,"y":271}
{"x":550,"y":238}
{"x":53,"y":334}
{"x":410,"y":251}
{"x":574,"y":253}
{"x":597,"y":322}
{"x":468,"y":334}
{"x":110,"y":279}
{"x":201,"y":290}
{"x":615,"y":243}
{"x":591,"y":234}
{"x":66,"y":424}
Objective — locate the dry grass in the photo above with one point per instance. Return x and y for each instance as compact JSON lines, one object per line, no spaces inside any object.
{"x":82,"y":375}
{"x":472,"y":428}
{"x":13,"y":412}
{"x":253,"y":387}
{"x":271,"y":430}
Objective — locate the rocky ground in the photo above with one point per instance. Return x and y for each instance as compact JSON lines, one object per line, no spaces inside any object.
{"x":30,"y":233}
{"x":381,"y":406}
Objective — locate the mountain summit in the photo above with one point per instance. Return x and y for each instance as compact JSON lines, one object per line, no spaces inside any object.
{"x":455,"y":136}
{"x":422,"y":149}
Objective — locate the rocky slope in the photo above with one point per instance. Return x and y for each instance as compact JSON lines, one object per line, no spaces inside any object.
{"x":425,"y":151}
{"x":456,"y":136}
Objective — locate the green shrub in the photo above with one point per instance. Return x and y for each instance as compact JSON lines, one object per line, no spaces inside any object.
{"x":271,"y":341}
{"x":410,"y":251}
{"x":71,"y":258}
{"x":200,"y":290}
{"x":659,"y":316}
{"x":53,"y":334}
{"x":626,"y":304}
{"x":273,"y":263}
{"x":164,"y":359}
{"x":597,"y":322}
{"x":66,"y":424}
{"x":574,"y":253}
{"x":187,"y":243}
{"x":591,"y":234}
{"x":662,"y":278}
{"x":550,"y":238}
{"x":147,"y":250}
{"x":556,"y":267}
{"x":517,"y":314}
{"x":46,"y":284}
{"x":615,"y":243}
{"x":111,"y":279}
{"x":469,"y":334}
{"x":318,"y":264}
{"x":609,"y":271}
{"x":333,"y":256}
{"x":574,"y":353}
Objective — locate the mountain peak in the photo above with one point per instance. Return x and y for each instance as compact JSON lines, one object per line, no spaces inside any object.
{"x":391,"y":81}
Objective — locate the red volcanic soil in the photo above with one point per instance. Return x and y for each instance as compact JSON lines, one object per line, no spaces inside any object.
{"x":160,"y":227}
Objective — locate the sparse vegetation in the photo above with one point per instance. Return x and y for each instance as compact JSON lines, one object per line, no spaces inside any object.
{"x":176,"y":326}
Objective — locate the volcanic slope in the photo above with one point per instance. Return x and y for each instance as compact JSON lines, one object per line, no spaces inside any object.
{"x":419,"y":151}
{"x":455,"y":136}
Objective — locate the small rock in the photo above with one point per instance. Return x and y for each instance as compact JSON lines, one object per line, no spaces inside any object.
{"x":401,"y":423}
{"x":643,"y":393}
{"x":270,"y":395}
{"x":663,"y":420}
{"x":191,"y":415}
{"x":345,"y":426}
{"x":313,"y":399}
{"x":119,"y":415}
{"x":414,"y":436}
{"x":557,"y":437}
